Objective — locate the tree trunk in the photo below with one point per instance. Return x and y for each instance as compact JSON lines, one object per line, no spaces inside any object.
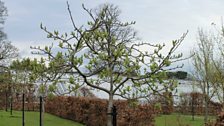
{"x":43,"y":110}
{"x":109,"y":111}
{"x":206,"y":102}
{"x":11,"y":105}
{"x":206,"y":110}
{"x":11,"y":100}
{"x":223,"y":95}
{"x":192,"y":107}
{"x":222,"y":99}
{"x":6,"y":101}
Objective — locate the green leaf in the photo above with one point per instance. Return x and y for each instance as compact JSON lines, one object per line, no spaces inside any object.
{"x":61,"y":44}
{"x":71,"y":80}
{"x":56,"y":33}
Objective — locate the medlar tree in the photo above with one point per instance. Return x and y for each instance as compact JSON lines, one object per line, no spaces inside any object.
{"x":106,"y":55}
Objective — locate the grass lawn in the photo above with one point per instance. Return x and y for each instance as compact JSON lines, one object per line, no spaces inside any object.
{"x":32,"y":119}
{"x":179,"y":120}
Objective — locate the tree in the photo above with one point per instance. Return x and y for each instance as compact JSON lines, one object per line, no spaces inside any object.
{"x":208,"y":64}
{"x":105,"y":55}
{"x":177,"y":75}
{"x":218,"y":74}
{"x":25,"y":74}
{"x":3,"y":14}
{"x":7,"y":50}
{"x":5,"y":86}
{"x":204,"y":66}
{"x":21,"y":73}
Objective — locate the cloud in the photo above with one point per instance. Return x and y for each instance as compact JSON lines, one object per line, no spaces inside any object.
{"x":157,"y":20}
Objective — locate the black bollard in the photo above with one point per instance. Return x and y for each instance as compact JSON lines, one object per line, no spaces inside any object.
{"x":114,"y":114}
{"x":23,"y":106}
{"x":41,"y":110}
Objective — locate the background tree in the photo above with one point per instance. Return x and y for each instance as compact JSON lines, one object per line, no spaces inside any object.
{"x":204,"y":66}
{"x":177,"y":75}
{"x":7,"y":53}
{"x":46,"y":77}
{"x":21,"y":72}
{"x":6,"y":87}
{"x":218,"y":76}
{"x":3,"y":14}
{"x":105,"y":55}
{"x":7,"y":50}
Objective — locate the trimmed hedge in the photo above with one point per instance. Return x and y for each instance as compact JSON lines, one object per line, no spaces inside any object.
{"x":220,"y":120}
{"x":163,"y":103}
{"x":196,"y":98}
{"x":167,"y":103}
{"x":93,"y":111}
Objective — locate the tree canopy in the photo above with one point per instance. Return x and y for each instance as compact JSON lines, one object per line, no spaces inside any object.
{"x":7,"y":50}
{"x":105,"y":54}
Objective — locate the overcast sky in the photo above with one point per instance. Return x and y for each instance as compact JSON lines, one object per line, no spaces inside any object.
{"x":156,"y":20}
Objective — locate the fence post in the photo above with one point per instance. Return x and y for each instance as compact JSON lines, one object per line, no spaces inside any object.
{"x":41,"y":110}
{"x":114,"y":114}
{"x":23,"y":120}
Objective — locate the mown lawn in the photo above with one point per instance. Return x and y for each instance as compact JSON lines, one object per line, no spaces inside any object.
{"x":32,"y":119}
{"x":179,"y":120}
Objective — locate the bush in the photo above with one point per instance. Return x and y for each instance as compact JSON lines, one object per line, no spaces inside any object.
{"x":195,"y":99}
{"x":93,"y":111}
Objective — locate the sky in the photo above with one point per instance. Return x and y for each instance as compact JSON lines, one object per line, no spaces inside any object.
{"x":156,"y":20}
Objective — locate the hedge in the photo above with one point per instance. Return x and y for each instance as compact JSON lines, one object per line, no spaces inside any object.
{"x":196,"y":98}
{"x":93,"y":111}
